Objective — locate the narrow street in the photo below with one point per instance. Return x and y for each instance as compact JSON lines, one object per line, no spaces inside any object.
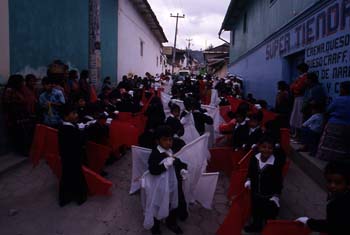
{"x":28,"y":202}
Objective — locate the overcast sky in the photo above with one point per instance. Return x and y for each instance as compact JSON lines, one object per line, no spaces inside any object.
{"x":202,"y":22}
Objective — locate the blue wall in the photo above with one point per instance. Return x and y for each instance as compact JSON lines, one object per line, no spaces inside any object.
{"x":109,"y":37}
{"x":276,"y":58}
{"x":263,"y":19}
{"x":44,"y":30}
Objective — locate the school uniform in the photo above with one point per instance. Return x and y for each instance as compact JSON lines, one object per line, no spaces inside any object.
{"x":240,"y":135}
{"x":72,"y":186}
{"x":98,"y":133}
{"x":156,"y":168}
{"x":200,"y":119}
{"x":175,"y":125}
{"x":266,"y":185}
{"x":338,"y":219}
{"x":254,"y":136}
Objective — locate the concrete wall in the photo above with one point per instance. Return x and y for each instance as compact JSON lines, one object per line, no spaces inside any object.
{"x":263,"y":19}
{"x":131,"y":30}
{"x":109,"y":38}
{"x":44,"y":30}
{"x":4,"y":41}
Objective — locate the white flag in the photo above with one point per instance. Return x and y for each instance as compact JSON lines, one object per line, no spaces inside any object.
{"x":195,"y":155}
{"x":214,"y":101}
{"x":139,"y":166}
{"x":205,"y":190}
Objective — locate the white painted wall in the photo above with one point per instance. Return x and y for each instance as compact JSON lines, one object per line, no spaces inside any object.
{"x":4,"y":41}
{"x":131,"y":30}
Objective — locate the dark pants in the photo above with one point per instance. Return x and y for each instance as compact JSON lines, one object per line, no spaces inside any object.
{"x":310,"y":139}
{"x":262,"y":210}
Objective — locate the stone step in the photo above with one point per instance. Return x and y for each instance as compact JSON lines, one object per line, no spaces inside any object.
{"x":310,"y":165}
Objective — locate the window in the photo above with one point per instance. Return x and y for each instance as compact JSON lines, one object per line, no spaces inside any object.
{"x":157,"y":61}
{"x":141,"y":47}
{"x":245,"y":22}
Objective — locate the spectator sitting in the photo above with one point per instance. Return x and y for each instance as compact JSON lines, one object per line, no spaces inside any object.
{"x":312,"y":130}
{"x":314,"y":94}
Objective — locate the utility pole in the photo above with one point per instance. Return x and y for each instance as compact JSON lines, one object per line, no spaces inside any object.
{"x":94,"y":42}
{"x":189,"y":40}
{"x":174,"y":49}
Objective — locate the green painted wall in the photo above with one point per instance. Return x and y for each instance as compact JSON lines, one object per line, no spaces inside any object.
{"x":109,"y":38}
{"x":44,"y":30}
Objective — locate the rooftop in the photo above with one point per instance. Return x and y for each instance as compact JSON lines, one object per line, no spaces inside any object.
{"x":150,"y":18}
{"x":233,"y":13}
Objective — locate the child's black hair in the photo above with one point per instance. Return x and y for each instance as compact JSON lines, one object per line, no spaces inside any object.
{"x":163,"y":131}
{"x":256,"y":116}
{"x":174,"y":107}
{"x":339,"y":167}
{"x":66,"y":109}
{"x":267,"y":139}
{"x":188,"y":103}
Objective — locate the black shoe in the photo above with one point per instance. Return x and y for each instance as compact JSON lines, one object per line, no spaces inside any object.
{"x":156,"y":230}
{"x":253,"y":228}
{"x":175,"y":228}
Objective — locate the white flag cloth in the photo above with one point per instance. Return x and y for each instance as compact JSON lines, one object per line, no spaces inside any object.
{"x":166,"y":98}
{"x":191,"y":132}
{"x":139,"y":166}
{"x":159,"y":195}
{"x":158,"y":192}
{"x":214,"y":100}
{"x":205,"y":190}
{"x":195,"y":155}
{"x":214,"y":113}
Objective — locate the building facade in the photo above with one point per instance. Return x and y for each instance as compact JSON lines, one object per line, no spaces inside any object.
{"x":140,"y":39}
{"x":270,"y":37}
{"x":36,"y":32}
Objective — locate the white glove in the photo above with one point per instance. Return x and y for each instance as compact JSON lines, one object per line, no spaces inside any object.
{"x":109,"y":121}
{"x":247,"y":184}
{"x":254,"y":146}
{"x":302,"y":220}
{"x":276,"y":200}
{"x":184,"y":174}
{"x":243,"y":146}
{"x":168,"y":162}
{"x":81,"y":125}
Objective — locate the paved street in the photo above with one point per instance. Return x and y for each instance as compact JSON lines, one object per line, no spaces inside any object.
{"x":28,"y":202}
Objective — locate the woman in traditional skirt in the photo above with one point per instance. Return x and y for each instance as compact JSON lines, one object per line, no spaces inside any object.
{"x":334,"y":143}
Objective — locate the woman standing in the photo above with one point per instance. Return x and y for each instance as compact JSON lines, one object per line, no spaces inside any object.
{"x":334,"y":144}
{"x":18,"y":120}
{"x":297,"y":89}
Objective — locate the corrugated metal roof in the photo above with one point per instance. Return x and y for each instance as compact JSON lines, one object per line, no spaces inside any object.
{"x":150,"y":18}
{"x":233,"y":13}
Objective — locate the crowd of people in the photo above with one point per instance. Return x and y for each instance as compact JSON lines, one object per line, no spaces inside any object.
{"x":67,"y":101}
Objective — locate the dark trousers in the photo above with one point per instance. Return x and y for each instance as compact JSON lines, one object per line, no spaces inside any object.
{"x":263,"y":209}
{"x":310,"y":139}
